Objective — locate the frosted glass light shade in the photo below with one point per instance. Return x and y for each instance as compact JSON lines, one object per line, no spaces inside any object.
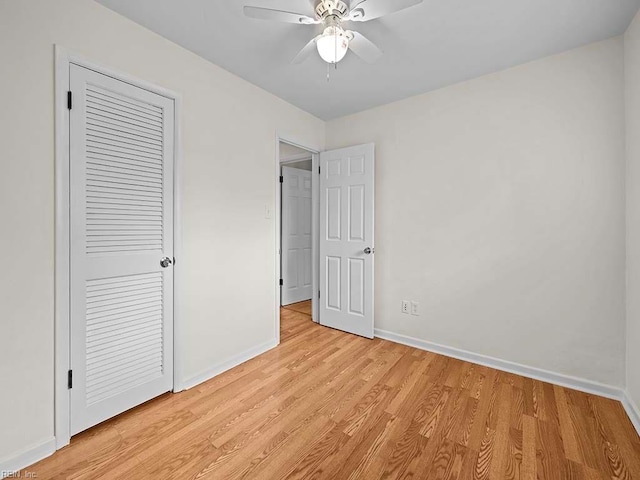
{"x":333,"y":45}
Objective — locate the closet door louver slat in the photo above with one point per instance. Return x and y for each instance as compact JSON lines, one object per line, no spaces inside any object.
{"x":141,"y":334}
{"x":123,"y":185}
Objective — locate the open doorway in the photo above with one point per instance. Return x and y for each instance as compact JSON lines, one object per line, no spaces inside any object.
{"x":297,"y":231}
{"x":342,"y":234}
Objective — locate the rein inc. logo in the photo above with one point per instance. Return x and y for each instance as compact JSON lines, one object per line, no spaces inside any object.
{"x":18,"y":474}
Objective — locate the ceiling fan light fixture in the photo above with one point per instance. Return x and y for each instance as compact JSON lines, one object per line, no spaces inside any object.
{"x":333,"y":44}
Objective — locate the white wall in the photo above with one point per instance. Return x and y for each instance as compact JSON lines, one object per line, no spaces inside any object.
{"x":302,"y":165}
{"x":287,"y":151}
{"x":228,"y":290}
{"x":632,"y":90}
{"x":500,"y":208}
{"x":512,"y":238}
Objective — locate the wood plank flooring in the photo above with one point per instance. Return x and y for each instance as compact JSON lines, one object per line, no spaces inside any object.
{"x":301,"y":307}
{"x":325,"y":404}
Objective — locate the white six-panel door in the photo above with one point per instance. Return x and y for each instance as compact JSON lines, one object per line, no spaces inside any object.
{"x":346,"y":239}
{"x":296,"y":236}
{"x":121,"y":178}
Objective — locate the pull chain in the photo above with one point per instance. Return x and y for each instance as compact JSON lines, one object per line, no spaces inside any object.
{"x":335,"y":57}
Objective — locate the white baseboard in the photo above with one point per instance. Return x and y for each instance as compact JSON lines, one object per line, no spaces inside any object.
{"x":568,"y":381}
{"x":632,"y":410}
{"x":226,"y":365}
{"x":10,"y":466}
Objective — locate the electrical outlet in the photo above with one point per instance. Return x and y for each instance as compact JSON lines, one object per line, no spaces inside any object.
{"x":415,"y":308}
{"x":405,"y":306}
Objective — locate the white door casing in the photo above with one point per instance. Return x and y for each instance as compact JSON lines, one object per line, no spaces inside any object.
{"x":346,"y":235}
{"x":121,"y":222}
{"x":296,"y":236}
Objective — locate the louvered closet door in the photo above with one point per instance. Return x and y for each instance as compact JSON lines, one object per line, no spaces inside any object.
{"x":121,"y":227}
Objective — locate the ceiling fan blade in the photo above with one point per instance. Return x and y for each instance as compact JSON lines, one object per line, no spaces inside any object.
{"x":279,"y":16}
{"x":308,"y":49}
{"x":369,"y":9}
{"x":364,"y":48}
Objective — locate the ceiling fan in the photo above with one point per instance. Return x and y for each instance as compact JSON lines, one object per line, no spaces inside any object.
{"x":334,"y":42}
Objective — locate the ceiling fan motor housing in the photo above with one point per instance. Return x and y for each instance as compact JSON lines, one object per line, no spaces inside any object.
{"x":328,"y":8}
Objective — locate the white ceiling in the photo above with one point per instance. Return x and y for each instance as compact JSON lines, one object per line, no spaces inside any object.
{"x":431,"y":45}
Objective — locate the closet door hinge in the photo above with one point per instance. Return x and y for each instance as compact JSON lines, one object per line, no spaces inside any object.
{"x":69,"y":100}
{"x":318,"y":170}
{"x":70,"y":379}
{"x":281,"y":179}
{"x":281,"y":282}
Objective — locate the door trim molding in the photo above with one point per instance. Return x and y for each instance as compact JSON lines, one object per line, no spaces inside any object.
{"x":63,"y":60}
{"x":315,"y":152}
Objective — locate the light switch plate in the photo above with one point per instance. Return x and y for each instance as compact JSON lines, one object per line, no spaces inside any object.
{"x":415,"y":308}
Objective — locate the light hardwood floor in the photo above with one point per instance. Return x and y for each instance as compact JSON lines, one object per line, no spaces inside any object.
{"x":325,"y":404}
{"x":302,"y":307}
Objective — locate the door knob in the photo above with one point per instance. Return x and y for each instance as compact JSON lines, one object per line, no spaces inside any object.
{"x":165,"y":262}
{"x":369,"y":250}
